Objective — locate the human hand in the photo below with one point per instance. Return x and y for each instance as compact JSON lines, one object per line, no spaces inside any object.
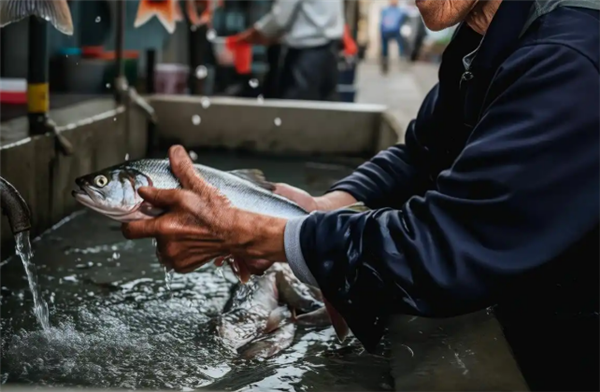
{"x":328,"y":202}
{"x":200,"y":224}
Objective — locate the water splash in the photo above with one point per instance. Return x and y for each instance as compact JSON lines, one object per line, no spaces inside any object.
{"x":40,"y":307}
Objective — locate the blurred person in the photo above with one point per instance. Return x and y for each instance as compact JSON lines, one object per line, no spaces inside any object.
{"x":493,"y":200}
{"x":393,"y":17}
{"x":310,"y":32}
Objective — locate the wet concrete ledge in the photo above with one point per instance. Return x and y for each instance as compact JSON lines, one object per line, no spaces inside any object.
{"x":101,"y":134}
{"x":305,"y":128}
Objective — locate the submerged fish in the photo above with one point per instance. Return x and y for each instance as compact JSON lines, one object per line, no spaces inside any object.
{"x":168,"y":13}
{"x":113,"y":193}
{"x":56,"y":12}
{"x":257,"y":320}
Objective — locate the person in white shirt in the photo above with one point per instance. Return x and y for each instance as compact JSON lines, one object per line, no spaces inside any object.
{"x":311,"y":32}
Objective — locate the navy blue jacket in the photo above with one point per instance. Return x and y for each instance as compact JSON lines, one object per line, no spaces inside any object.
{"x":493,"y":199}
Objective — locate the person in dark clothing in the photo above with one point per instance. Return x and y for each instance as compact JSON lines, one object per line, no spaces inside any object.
{"x":271,"y":82}
{"x":492,"y":200}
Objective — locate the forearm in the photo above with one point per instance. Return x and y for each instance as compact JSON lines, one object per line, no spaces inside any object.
{"x":334,"y":200}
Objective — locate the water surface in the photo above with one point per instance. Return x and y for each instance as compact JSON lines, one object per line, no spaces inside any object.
{"x":114,"y":323}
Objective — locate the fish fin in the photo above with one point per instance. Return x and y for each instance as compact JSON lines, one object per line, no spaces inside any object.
{"x":316,"y":318}
{"x":57,"y":12}
{"x":357,"y":207}
{"x":271,"y":344}
{"x":255,"y":176}
{"x":338,"y":322}
{"x":164,"y":11}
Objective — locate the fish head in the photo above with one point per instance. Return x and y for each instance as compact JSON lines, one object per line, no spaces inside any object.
{"x":113,"y":192}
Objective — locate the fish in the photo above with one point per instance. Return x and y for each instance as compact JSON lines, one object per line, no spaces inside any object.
{"x":259,"y":320}
{"x":113,"y":193}
{"x":165,"y":10}
{"x":56,"y":12}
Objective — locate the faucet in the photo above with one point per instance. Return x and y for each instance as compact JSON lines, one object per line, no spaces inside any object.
{"x":14,"y":207}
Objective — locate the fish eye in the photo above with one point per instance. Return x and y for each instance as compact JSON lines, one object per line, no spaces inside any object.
{"x":100,"y":181}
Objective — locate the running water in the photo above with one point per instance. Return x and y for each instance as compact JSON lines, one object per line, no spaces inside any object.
{"x":40,"y":307}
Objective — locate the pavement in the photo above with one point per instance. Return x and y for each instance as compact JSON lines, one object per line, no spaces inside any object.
{"x":402,"y":90}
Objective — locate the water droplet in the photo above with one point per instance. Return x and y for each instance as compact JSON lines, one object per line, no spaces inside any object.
{"x":205,"y":102}
{"x":193,"y":156}
{"x":260,"y":98}
{"x":115,"y":119}
{"x":201,"y":72}
{"x":196,"y":119}
{"x":107,"y":85}
{"x":98,"y":19}
{"x":277,"y":122}
{"x":253,"y":83}
{"x":211,"y":34}
{"x":127,"y":156}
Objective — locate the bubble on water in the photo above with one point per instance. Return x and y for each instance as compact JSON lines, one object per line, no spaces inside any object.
{"x":201,"y":72}
{"x":211,"y":34}
{"x":196,"y":119}
{"x":98,"y":19}
{"x":253,"y":83}
{"x":205,"y":102}
{"x":277,"y":122}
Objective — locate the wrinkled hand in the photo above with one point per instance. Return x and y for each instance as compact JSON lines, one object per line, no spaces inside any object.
{"x":328,"y":202}
{"x":298,"y":196}
{"x":200,"y":223}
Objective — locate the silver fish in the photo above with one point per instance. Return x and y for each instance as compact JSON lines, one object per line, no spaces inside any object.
{"x":113,"y":193}
{"x":56,"y":12}
{"x":259,"y":319}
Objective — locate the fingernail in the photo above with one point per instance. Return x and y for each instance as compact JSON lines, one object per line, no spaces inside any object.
{"x":178,"y":151}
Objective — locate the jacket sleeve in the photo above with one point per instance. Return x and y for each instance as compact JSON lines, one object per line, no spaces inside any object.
{"x":524,"y":189}
{"x":391,"y":177}
{"x":279,"y":18}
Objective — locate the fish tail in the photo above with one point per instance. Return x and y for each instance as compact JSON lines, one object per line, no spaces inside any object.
{"x":57,"y":12}
{"x":163,"y":10}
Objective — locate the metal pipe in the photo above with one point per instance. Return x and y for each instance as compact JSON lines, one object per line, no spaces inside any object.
{"x":38,"y":101}
{"x":150,"y":69}
{"x":14,"y":207}
{"x":119,"y":43}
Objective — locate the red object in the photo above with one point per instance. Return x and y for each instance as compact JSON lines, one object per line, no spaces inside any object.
{"x":242,"y":54}
{"x":350,"y":48}
{"x":92,"y":51}
{"x":13,"y":97}
{"x":127,"y":54}
{"x":13,"y":91}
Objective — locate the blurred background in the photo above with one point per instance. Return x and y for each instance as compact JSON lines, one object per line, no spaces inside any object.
{"x":186,"y":62}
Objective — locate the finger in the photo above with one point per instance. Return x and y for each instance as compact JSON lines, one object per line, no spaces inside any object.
{"x":219,"y":261}
{"x":183,"y":168}
{"x":162,"y":198}
{"x":148,"y":228}
{"x":192,"y":261}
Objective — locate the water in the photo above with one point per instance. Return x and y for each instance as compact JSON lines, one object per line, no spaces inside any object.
{"x":40,"y":307}
{"x":116,"y":324}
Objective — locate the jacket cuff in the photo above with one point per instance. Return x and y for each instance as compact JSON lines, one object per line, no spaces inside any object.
{"x":267,"y":25}
{"x":293,"y":251}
